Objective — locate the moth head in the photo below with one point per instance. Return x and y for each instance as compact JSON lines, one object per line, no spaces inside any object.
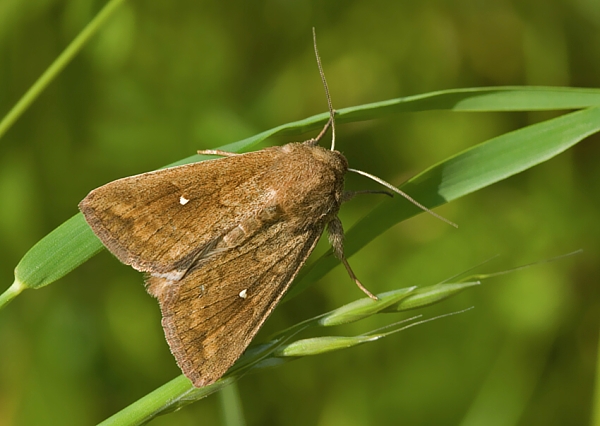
{"x":333,"y":159}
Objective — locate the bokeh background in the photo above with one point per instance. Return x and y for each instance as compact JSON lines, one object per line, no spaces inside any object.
{"x":164,"y":79}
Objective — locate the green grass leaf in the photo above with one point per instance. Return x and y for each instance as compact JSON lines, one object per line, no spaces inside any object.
{"x":462,"y":174}
{"x":73,"y":242}
{"x":58,"y":65}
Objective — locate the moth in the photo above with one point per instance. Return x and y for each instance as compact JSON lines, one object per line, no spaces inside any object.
{"x":222,"y":240}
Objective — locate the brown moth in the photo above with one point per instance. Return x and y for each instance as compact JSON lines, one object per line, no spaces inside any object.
{"x":222,"y":240}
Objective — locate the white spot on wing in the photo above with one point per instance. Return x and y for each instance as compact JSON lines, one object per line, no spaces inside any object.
{"x":183,"y":201}
{"x":244,"y":293}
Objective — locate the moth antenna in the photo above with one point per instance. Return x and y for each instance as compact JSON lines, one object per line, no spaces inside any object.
{"x":404,"y":194}
{"x":360,"y":172}
{"x":329,"y":104}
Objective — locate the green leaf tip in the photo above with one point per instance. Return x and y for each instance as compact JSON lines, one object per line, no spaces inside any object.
{"x":58,"y":253}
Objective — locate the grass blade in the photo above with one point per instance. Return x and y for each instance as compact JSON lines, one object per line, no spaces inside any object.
{"x":462,"y":174}
{"x":57,"y":66}
{"x":73,"y":242}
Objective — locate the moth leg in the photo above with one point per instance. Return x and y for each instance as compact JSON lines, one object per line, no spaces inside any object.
{"x":336,"y":239}
{"x":348,"y":195}
{"x":315,"y":141}
{"x":217,"y":152}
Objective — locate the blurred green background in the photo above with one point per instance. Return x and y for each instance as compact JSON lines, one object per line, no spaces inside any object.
{"x":164,"y":79}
